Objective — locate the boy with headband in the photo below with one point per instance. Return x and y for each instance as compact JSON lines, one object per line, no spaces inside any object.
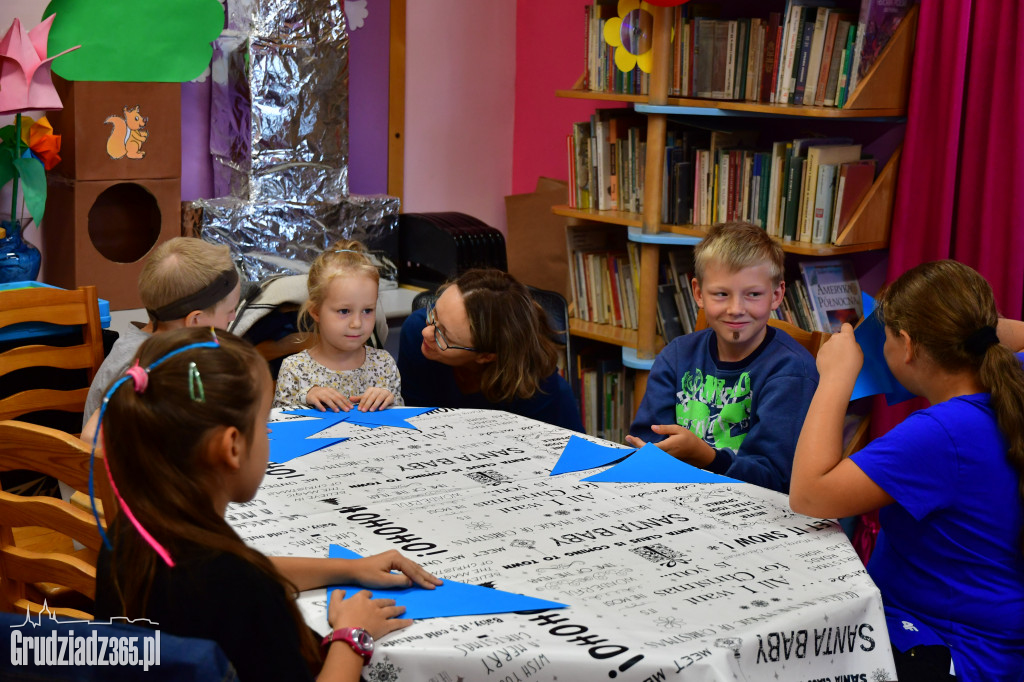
{"x":185,"y":283}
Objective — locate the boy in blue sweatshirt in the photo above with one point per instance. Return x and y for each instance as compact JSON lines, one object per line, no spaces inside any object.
{"x":731,"y":398}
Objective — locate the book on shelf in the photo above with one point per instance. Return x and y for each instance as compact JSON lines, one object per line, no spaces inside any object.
{"x":837,"y":24}
{"x":802,"y":62}
{"x":843,"y":89}
{"x":817,"y":155}
{"x":835,"y":65}
{"x":876,"y":23}
{"x":815,"y":57}
{"x":602,"y":281}
{"x":668,"y":313}
{"x":823,"y":204}
{"x":854,"y":180}
{"x":581,"y":163}
{"x":770,"y":63}
{"x":602,"y":387}
{"x":833,"y":292}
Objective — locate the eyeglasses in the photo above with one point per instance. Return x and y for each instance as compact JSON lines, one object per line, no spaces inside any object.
{"x":442,"y":343}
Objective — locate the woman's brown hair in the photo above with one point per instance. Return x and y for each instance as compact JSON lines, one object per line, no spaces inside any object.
{"x":949,"y":310}
{"x":505,"y":320}
{"x":156,"y":443}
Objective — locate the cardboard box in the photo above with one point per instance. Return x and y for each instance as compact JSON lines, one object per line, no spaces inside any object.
{"x":99,"y":232}
{"x":535,"y":242}
{"x":85,"y":135}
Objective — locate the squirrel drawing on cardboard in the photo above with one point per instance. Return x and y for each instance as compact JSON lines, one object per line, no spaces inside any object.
{"x":128,"y":135}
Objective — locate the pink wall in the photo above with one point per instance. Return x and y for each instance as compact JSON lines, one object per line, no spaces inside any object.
{"x":459,"y":104}
{"x":549,"y":57}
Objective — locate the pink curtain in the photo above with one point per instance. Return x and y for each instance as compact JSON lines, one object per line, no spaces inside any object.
{"x":961,"y":185}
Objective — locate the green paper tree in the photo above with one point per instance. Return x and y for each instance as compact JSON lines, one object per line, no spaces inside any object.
{"x":160,"y":41}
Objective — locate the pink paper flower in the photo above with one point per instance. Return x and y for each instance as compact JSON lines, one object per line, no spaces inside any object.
{"x":25,"y":80}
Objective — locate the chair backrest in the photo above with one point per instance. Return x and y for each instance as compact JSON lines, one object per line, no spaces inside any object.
{"x":65,"y":457}
{"x":79,"y":307}
{"x":812,"y":341}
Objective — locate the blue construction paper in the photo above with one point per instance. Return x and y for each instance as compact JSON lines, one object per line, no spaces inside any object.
{"x":298,"y":429}
{"x":287,"y":449}
{"x":328,"y":415}
{"x":393,"y":416}
{"x":875,"y":376}
{"x":580,"y":454}
{"x":449,"y":599}
{"x":651,"y":464}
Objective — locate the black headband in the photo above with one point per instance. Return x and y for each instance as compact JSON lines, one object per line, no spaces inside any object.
{"x":208,"y":296}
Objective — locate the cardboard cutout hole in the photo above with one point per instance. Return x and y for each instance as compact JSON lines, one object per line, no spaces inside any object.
{"x":124,"y":223}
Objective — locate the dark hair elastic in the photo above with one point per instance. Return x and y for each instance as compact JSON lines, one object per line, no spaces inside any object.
{"x":980,"y":341}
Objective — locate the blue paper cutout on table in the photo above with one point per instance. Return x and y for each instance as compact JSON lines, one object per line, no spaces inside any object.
{"x":449,"y":599}
{"x":651,"y":464}
{"x":875,"y":376}
{"x":292,"y":439}
{"x":581,"y":454}
{"x":392,"y":416}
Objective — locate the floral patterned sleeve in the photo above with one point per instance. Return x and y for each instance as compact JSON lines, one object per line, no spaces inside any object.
{"x":392,"y":379}
{"x":291,"y":387}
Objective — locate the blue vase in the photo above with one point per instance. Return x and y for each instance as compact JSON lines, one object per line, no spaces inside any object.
{"x":19,"y":260}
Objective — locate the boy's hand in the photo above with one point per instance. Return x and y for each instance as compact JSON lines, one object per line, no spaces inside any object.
{"x":376,"y":616}
{"x":376,"y":571}
{"x":324,"y":398}
{"x":373,"y":398}
{"x":681,"y":443}
{"x":841,"y":358}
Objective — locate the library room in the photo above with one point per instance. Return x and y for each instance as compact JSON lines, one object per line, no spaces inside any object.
{"x":615,"y":339}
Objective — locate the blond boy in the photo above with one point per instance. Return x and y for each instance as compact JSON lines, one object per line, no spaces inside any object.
{"x":732,"y":398}
{"x":185,"y":283}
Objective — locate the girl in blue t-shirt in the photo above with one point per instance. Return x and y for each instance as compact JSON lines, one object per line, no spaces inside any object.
{"x":950,"y":557}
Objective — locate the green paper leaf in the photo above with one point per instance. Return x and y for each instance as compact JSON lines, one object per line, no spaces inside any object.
{"x":166,"y":41}
{"x":33,"y":185}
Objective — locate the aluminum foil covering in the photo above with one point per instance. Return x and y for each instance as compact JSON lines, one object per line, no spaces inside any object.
{"x":279,"y":140}
{"x":269,"y":238}
{"x":280,"y":111}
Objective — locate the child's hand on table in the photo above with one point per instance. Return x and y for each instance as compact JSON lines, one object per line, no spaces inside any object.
{"x":324,"y":398}
{"x":376,"y":616}
{"x":375,"y":572}
{"x":681,"y":443}
{"x":373,"y":398}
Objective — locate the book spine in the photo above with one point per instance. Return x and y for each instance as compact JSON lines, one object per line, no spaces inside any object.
{"x":826,"y":59}
{"x":814,"y":62}
{"x":732,"y":37}
{"x":823,"y":202}
{"x":844,"y":75}
{"x":795,"y":180}
{"x":840,"y":187}
{"x":771,"y":44}
{"x":805,"y":56}
{"x":805,"y":221}
{"x":792,"y":32}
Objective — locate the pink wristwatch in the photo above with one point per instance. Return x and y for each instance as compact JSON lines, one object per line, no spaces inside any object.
{"x":359,"y":639}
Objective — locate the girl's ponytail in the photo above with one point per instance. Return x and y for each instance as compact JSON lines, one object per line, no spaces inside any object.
{"x":1002,"y":376}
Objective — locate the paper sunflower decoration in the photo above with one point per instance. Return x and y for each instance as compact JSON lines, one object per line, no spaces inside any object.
{"x":630,"y":35}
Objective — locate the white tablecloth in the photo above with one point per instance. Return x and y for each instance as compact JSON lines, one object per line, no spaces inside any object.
{"x":694,"y":582}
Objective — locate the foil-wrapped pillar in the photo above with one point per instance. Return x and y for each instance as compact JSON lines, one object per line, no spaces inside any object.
{"x":279,"y":139}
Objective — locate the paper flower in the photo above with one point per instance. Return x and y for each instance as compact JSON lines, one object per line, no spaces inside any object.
{"x":630,"y":35}
{"x":25,"y":81}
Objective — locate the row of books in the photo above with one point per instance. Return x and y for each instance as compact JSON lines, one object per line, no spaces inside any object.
{"x":805,"y":189}
{"x":601,"y":74}
{"x":604,"y":389}
{"x":604,"y":272}
{"x":607,"y":161}
{"x":813,"y":52}
{"x":827,"y":295}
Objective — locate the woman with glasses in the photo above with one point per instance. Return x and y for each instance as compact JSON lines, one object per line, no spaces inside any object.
{"x":485,"y":343}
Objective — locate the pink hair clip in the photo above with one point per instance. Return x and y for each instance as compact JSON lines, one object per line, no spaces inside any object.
{"x":139,"y":375}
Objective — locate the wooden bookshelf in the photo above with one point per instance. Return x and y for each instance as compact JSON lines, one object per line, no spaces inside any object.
{"x":880,"y":96}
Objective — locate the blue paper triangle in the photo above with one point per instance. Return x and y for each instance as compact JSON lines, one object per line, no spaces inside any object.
{"x":298,"y":429}
{"x":449,"y":599}
{"x":875,"y":376}
{"x":287,"y":449}
{"x":581,"y":454}
{"x":328,"y":416}
{"x":651,"y":464}
{"x":393,"y":416}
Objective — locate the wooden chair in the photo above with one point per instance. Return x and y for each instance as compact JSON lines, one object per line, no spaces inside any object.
{"x":57,"y":454}
{"x":56,"y":307}
{"x":812,"y":341}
